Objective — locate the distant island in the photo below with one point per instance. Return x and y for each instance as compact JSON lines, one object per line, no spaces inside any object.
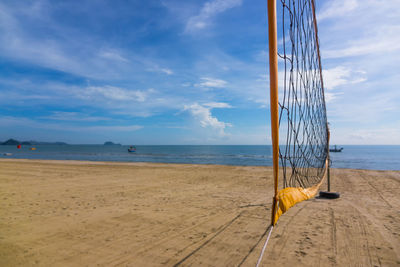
{"x":109,"y":143}
{"x":13,"y":142}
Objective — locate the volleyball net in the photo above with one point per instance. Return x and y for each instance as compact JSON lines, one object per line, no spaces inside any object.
{"x":300,"y":133}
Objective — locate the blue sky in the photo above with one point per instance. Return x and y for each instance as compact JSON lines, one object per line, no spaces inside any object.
{"x":185,"y":72}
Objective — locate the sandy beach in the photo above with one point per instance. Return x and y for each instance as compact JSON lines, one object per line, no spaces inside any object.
{"x":71,"y":213}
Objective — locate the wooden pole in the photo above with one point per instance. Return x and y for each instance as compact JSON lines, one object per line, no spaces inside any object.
{"x":273,"y":82}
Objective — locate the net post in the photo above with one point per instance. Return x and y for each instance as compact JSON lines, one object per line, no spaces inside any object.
{"x":328,"y":132}
{"x":273,"y":81}
{"x":329,"y":177}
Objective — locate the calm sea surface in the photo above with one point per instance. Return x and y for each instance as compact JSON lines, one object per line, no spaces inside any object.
{"x":354,"y":157}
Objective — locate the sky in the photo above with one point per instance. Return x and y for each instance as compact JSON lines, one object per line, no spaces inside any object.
{"x":167,"y":72}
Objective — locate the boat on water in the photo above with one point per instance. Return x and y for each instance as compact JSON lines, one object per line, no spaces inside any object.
{"x":132,"y":149}
{"x":32,"y":148}
{"x":336,"y":149}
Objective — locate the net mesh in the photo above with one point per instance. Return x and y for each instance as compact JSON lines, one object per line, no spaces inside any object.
{"x":302,"y":111}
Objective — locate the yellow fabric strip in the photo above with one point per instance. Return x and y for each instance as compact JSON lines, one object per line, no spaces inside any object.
{"x":289,"y":196}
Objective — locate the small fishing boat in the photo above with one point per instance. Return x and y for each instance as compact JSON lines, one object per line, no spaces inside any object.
{"x":336,"y":149}
{"x":7,"y":154}
{"x":32,"y":148}
{"x":132,"y":149}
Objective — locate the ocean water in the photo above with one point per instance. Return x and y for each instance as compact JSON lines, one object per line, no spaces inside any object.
{"x":354,"y":157}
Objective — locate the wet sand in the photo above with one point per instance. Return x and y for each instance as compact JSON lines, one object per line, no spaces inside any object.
{"x":71,"y":213}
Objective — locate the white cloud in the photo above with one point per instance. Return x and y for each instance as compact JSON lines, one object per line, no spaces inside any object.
{"x":261,"y":56}
{"x":116,"y":128}
{"x":337,"y":7}
{"x":211,"y":83}
{"x":205,"y":118}
{"x":157,"y":68}
{"x":19,"y":44}
{"x":217,"y":105}
{"x":167,"y":71}
{"x":362,"y":40}
{"x":334,"y":78}
{"x":329,"y":96}
{"x":186,"y":84}
{"x":208,"y":11}
{"x":359,"y":28}
{"x":27,"y":123}
{"x":366,"y":108}
{"x":60,"y":47}
{"x":73,"y":116}
{"x":97,"y":99}
{"x":376,"y":41}
{"x":115,"y":93}
{"x":388,"y":135}
{"x":342,"y":75}
{"x":113,"y":55}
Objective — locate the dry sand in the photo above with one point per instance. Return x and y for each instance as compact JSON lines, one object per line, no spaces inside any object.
{"x":70,"y":213}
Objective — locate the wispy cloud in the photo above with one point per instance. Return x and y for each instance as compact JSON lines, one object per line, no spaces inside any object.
{"x":113,"y":128}
{"x":208,"y":82}
{"x":342,"y":75}
{"x":11,"y":121}
{"x":115,"y":93}
{"x":378,"y":41}
{"x":359,"y":28}
{"x":337,"y":8}
{"x":329,"y":96}
{"x":167,"y":71}
{"x":157,"y":68}
{"x":62,"y":48}
{"x":208,"y":12}
{"x":113,"y":55}
{"x":100,"y":99}
{"x":387,"y":135}
{"x":73,"y":116}
{"x":360,"y":44}
{"x":217,"y":105}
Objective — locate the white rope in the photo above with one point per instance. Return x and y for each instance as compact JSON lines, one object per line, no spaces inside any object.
{"x":265,"y":246}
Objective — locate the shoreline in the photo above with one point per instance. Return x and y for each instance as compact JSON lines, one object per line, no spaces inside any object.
{"x":122,"y":163}
{"x":76,"y":213}
{"x":142,"y":163}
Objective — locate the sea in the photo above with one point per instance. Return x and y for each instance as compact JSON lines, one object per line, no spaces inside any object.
{"x":353,"y":156}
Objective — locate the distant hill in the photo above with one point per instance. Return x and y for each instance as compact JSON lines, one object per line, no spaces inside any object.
{"x":13,"y":142}
{"x":109,"y":143}
{"x":47,"y":143}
